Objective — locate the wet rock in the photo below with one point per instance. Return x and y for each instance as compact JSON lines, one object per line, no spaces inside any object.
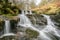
{"x":20,"y":36}
{"x":1,"y":25}
{"x":56,"y":19}
{"x":37,"y":19}
{"x":13,"y":24}
{"x":8,"y":38}
{"x":27,"y":34}
{"x":31,"y":33}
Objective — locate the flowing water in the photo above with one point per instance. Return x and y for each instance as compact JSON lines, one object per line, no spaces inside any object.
{"x":30,"y":12}
{"x":7,"y":30}
{"x":7,"y":26}
{"x":49,"y":32}
{"x":50,"y":26}
{"x":24,"y":21}
{"x":46,"y":33}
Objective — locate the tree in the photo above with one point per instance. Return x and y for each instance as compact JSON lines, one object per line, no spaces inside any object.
{"x":44,"y":2}
{"x":32,"y":4}
{"x":22,"y":3}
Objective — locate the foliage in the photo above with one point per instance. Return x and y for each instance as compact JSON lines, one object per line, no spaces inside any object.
{"x":51,"y":8}
{"x":8,"y":8}
{"x":32,"y":4}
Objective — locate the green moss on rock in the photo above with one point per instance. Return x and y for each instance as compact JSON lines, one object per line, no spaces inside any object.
{"x":32,"y":33}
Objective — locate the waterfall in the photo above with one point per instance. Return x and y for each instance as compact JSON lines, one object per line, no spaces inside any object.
{"x":51,"y":27}
{"x":7,"y":29}
{"x":44,"y":34}
{"x":24,"y":21}
{"x":30,"y":12}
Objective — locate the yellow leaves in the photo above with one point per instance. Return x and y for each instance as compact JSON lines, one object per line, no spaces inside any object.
{"x":52,"y":11}
{"x":48,"y":9}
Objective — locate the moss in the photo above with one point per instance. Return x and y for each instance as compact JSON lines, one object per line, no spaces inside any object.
{"x":8,"y":38}
{"x":6,"y":8}
{"x":32,"y":33}
{"x":10,"y":17}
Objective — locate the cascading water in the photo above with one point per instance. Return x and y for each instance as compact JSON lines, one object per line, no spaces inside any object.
{"x":30,"y":12}
{"x":7,"y":27}
{"x":7,"y":30}
{"x":50,"y":26}
{"x":44,"y":34}
{"x":49,"y":30}
{"x":24,"y":21}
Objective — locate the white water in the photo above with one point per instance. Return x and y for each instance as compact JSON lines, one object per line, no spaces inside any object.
{"x":7,"y":26}
{"x":25,"y":22}
{"x":7,"y":29}
{"x":30,"y":12}
{"x":49,"y":28}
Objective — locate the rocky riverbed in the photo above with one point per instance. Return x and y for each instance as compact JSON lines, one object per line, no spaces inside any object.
{"x":26,"y":33}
